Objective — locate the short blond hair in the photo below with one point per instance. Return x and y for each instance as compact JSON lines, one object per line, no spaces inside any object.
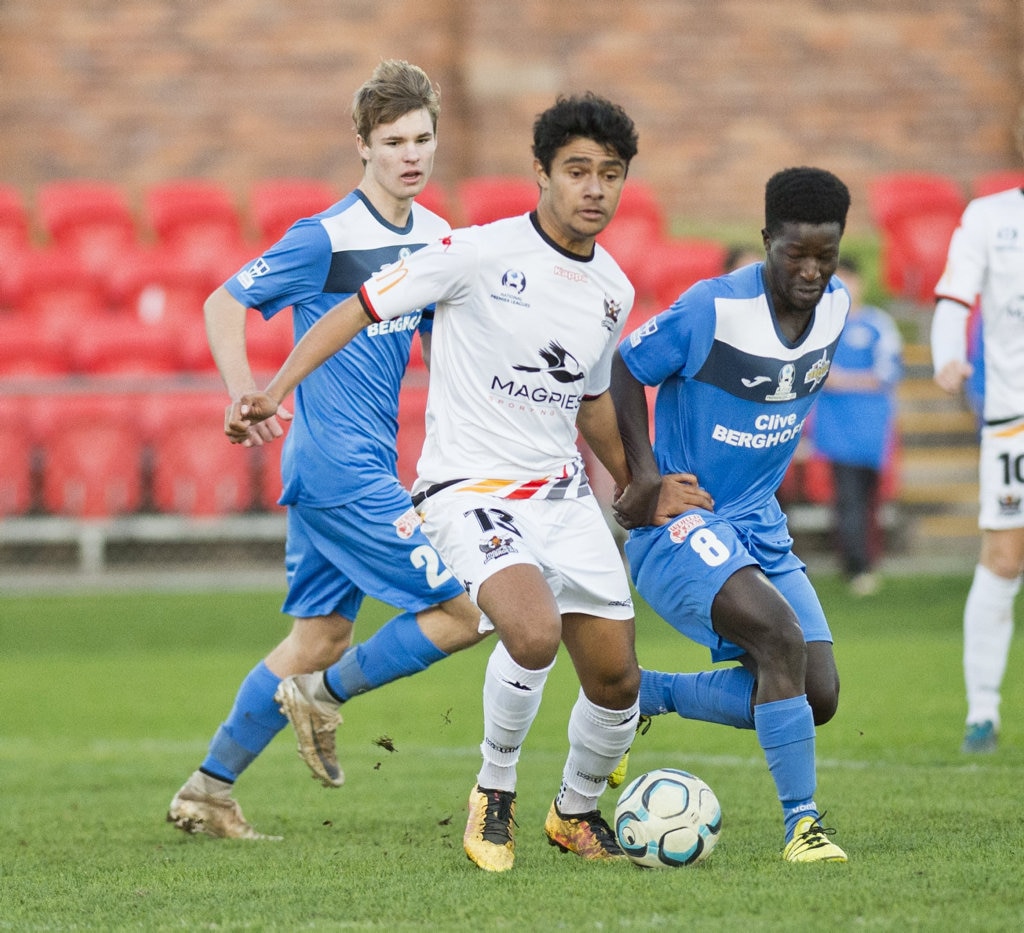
{"x":394,"y":89}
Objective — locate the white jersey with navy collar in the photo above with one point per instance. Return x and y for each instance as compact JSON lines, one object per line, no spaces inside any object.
{"x":523,"y":333}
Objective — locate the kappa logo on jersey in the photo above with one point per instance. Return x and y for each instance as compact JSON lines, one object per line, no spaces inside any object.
{"x":649,"y":328}
{"x":496,"y":546}
{"x":818,"y":371}
{"x":573,"y":275}
{"x":1006,"y":237}
{"x":612,"y":310}
{"x":562,"y":366}
{"x":681,"y":527}
{"x":784,"y":391}
{"x":407,"y":523}
{"x":247,"y":277}
{"x":1009,"y":504}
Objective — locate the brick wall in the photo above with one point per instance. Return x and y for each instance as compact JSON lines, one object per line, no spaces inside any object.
{"x":723,"y":92}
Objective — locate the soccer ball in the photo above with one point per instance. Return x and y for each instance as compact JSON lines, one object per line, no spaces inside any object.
{"x":667,"y":818}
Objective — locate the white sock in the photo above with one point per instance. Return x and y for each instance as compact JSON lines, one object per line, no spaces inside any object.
{"x":512,"y":697}
{"x":598,"y":738}
{"x":988,"y":628}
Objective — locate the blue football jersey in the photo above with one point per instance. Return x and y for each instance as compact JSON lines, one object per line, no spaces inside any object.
{"x":343,"y":437}
{"x":734,"y":392}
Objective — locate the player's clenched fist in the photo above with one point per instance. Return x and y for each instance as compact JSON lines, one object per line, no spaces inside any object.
{"x":250,"y":409}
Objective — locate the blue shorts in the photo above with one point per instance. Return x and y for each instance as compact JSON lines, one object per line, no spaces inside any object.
{"x":374,"y":546}
{"x":679,"y":568}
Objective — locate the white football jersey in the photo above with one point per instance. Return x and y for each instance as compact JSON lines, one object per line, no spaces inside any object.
{"x":986,"y":259}
{"x":523,"y":333}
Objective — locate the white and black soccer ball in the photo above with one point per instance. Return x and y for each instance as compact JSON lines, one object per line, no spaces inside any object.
{"x":667,"y":818}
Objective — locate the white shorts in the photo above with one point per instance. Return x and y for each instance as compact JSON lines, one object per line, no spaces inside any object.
{"x":1001,"y":476}
{"x":567,"y":539}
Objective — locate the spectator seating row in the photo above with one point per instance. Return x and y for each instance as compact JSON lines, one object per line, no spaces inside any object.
{"x":85,"y":289}
{"x":916,"y":214}
{"x":92,"y":456}
{"x":83,"y":240}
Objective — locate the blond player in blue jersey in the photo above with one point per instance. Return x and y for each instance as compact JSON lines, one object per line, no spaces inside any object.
{"x":352,"y":530}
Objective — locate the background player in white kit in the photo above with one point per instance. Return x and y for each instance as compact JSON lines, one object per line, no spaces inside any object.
{"x":529,"y":311}
{"x":986,"y":259}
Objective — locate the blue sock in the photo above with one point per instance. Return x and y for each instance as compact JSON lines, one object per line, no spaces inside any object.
{"x":722,"y":695}
{"x":253,"y":721}
{"x":785,"y":730}
{"x":397,"y":649}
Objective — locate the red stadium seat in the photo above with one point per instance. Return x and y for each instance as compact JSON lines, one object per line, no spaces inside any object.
{"x":268,"y":489}
{"x":678,"y":264}
{"x":126,"y":346}
{"x":16,"y":477}
{"x":434,"y":198}
{"x":59,"y":292}
{"x":994,"y":182}
{"x":14,"y":221}
{"x":916,"y":214}
{"x":491,"y":197}
{"x":196,"y":470}
{"x":412,"y":430}
{"x":151,"y":289}
{"x":27,"y":349}
{"x":276,"y":203}
{"x":90,"y":221}
{"x":92,"y":457}
{"x":197,"y":227}
{"x":268,"y":343}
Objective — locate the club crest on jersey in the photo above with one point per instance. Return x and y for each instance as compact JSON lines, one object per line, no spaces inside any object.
{"x":247,"y":276}
{"x":612,"y":310}
{"x":1009,"y":504}
{"x":407,"y":523}
{"x":494,"y":546}
{"x":681,"y":527}
{"x":818,"y":371}
{"x":784,"y":390}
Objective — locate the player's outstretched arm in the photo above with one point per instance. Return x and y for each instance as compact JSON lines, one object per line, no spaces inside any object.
{"x":325,"y":338}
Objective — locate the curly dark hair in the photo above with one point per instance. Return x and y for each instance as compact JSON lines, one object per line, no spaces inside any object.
{"x":805,"y":195}
{"x":588,"y":116}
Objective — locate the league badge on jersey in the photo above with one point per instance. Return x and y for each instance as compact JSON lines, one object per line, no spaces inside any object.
{"x":784,"y":391}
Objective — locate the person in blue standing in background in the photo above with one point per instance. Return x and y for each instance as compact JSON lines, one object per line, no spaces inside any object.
{"x":854,"y":428}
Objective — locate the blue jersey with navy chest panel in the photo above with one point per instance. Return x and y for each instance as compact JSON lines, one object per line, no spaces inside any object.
{"x":342,"y":441}
{"x":734,"y":391}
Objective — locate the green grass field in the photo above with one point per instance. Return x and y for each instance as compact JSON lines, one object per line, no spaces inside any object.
{"x":108,"y":702}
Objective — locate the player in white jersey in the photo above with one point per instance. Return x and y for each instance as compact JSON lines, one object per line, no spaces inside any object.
{"x":739,"y":361}
{"x":529,"y":310}
{"x":986,"y":264}
{"x":352,"y":530}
